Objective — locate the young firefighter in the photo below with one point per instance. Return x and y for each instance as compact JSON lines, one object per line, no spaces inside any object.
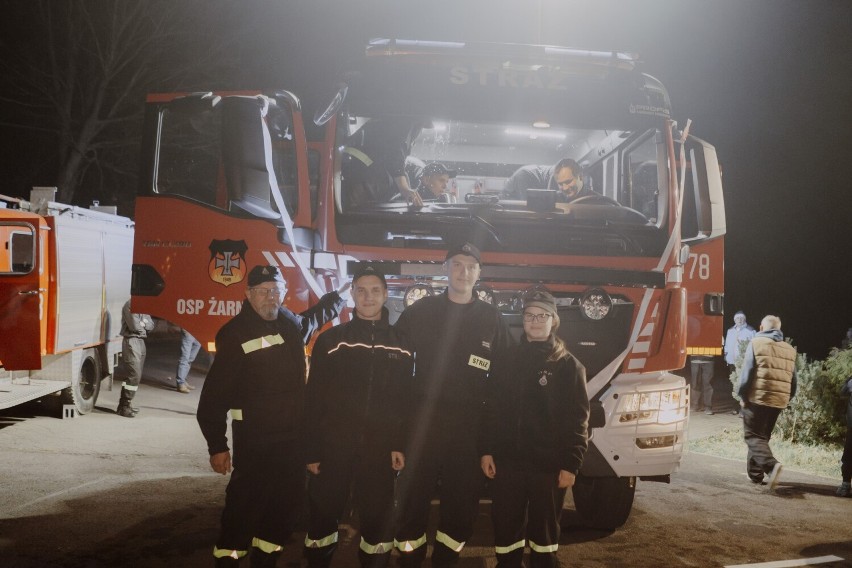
{"x":354,"y":414}
{"x":453,"y":336}
{"x":258,"y":376}
{"x":534,"y":437}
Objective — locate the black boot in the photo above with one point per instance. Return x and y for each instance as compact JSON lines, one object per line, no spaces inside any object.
{"x":124,"y":409}
{"x":261,"y":559}
{"x":226,"y":562}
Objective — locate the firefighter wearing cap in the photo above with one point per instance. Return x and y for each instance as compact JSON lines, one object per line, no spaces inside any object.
{"x":258,"y":375}
{"x":454,"y":336}
{"x":434,"y":179}
{"x":354,"y":417}
{"x":534,"y":436}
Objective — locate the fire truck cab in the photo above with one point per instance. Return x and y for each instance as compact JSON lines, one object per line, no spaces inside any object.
{"x":236,"y":179}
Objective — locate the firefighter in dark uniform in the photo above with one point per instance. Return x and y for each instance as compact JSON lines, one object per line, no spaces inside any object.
{"x":453,"y":336}
{"x":258,"y":375}
{"x":354,"y":415}
{"x":534,"y":436}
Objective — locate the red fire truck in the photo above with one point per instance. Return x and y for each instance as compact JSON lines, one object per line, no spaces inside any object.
{"x":236,"y":179}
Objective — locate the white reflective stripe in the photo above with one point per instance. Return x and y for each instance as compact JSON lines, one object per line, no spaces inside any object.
{"x":236,"y":414}
{"x":266,"y":546}
{"x":366,"y":346}
{"x":129,"y":387}
{"x":356,"y":153}
{"x":544,"y":549}
{"x":409,"y":545}
{"x":321,"y":543}
{"x":636,"y":364}
{"x":642,"y":347}
{"x":227,"y":553}
{"x":510,"y":548}
{"x":262,"y":343}
{"x":380,"y":548}
{"x":449,"y":541}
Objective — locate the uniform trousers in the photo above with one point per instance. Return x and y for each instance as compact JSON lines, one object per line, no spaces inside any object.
{"x":846,"y":458}
{"x":758,"y":423}
{"x":133,"y":357}
{"x":264,"y":497}
{"x":370,"y":478}
{"x":526,"y":505}
{"x":702,"y":381}
{"x":455,"y":463}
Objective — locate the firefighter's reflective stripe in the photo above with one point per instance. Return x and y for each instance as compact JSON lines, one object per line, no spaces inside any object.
{"x":236,"y":414}
{"x":543,"y":549}
{"x":321,"y":543}
{"x":227,"y":553}
{"x":409,"y":545}
{"x":129,"y":387}
{"x":265,"y":546}
{"x":380,"y":548}
{"x":449,"y":542}
{"x":510,"y":548}
{"x":361,"y":156}
{"x":262,"y":342}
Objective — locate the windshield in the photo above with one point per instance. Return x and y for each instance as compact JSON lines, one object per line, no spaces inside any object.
{"x":497,"y":183}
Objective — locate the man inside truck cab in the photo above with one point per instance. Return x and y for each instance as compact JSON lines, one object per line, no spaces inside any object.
{"x":433,"y":181}
{"x":566,"y":176}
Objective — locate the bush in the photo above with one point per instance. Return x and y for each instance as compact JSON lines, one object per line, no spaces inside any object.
{"x":816,"y":415}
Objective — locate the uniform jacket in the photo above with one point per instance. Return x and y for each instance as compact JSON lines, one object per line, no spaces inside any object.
{"x":135,"y":325}
{"x":356,"y":390}
{"x":454,"y":346}
{"x":537,"y":411}
{"x":258,"y":374}
{"x":769,"y":370}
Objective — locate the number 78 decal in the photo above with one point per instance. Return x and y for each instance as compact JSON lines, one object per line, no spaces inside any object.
{"x":702,"y":263}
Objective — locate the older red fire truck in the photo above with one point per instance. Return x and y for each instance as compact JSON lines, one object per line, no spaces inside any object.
{"x":64,"y":278}
{"x":236,"y":179}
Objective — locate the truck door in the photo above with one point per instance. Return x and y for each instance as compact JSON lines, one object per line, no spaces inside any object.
{"x":21,"y":298}
{"x":704,"y":232}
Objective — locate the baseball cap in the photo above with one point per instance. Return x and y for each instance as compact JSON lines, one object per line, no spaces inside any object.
{"x":260,"y":274}
{"x":433,"y":168}
{"x":467,"y":249}
{"x":368,"y":270}
{"x":540,"y":299}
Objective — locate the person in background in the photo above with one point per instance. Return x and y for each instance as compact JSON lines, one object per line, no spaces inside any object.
{"x":701,"y":383}
{"x":535,"y":436}
{"x":847,"y":341}
{"x":258,"y":376}
{"x":354,"y":417}
{"x":454,"y":336}
{"x":189,"y":347}
{"x":738,"y":334}
{"x":767,"y":383}
{"x":134,"y":330}
{"x":845,"y":489}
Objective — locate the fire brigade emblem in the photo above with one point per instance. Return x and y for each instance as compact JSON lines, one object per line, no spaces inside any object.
{"x":227,"y":261}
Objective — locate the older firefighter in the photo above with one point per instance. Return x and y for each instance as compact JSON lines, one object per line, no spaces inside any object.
{"x":354,"y":414}
{"x":134,"y":330}
{"x":258,"y":375}
{"x":454,"y":336}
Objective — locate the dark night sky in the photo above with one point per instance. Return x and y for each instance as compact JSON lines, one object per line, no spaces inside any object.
{"x":768,"y":82}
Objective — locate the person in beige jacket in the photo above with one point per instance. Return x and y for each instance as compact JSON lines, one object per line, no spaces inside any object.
{"x":767,"y":383}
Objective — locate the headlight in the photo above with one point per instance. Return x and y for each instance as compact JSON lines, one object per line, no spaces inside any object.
{"x":595,"y":304}
{"x":416,"y":292}
{"x":662,"y":407}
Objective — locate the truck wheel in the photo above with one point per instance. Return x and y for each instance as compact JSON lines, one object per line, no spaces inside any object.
{"x":604,"y":502}
{"x":83,"y":391}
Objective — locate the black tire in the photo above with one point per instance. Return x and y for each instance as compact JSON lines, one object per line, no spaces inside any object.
{"x":83,"y":392}
{"x":604,"y":502}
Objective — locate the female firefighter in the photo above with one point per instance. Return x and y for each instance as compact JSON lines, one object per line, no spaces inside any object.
{"x":535,"y":436}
